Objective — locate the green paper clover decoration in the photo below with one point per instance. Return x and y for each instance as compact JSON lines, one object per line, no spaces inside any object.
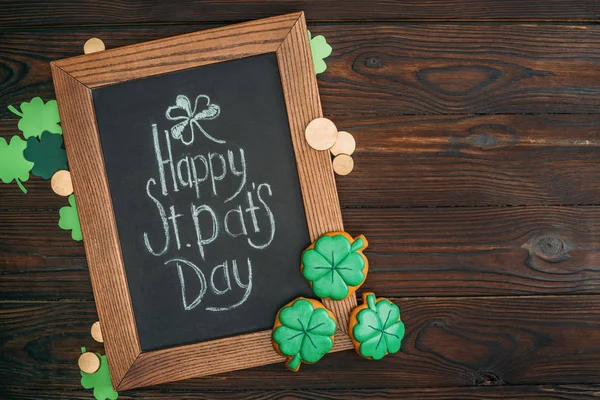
{"x":303,"y":332}
{"x":99,"y":380}
{"x":320,"y":50}
{"x":375,"y":327}
{"x":13,"y":165}
{"x":69,"y":219}
{"x":46,"y":153}
{"x":335,"y":266}
{"x":37,"y":117}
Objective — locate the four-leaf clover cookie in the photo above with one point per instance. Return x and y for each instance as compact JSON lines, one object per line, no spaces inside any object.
{"x":335,"y":265}
{"x":303,"y":332}
{"x":375,"y":327}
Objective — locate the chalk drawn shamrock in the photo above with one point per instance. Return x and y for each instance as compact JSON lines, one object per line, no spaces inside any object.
{"x":303,"y":332}
{"x":335,"y":265}
{"x":375,"y":327}
{"x":188,"y":117}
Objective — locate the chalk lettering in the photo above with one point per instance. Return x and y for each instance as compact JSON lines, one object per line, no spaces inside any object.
{"x":163,"y":219}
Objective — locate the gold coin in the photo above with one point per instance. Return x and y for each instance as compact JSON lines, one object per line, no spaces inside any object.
{"x":343,"y":164}
{"x":93,"y":45}
{"x":345,"y":144}
{"x":96,"y":332}
{"x":89,"y":362}
{"x":321,"y":134}
{"x":61,"y":183}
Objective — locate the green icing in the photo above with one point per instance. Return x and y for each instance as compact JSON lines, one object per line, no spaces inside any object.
{"x":13,"y":165}
{"x":379,"y":329}
{"x":305,"y":333}
{"x":333,"y":265}
{"x":46,"y":153}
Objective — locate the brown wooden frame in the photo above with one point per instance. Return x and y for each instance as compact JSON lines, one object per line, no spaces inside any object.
{"x":74,"y":79}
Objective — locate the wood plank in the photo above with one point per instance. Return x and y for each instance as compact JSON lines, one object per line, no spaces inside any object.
{"x":31,"y":13}
{"x":530,"y":392}
{"x":384,"y":68}
{"x":412,"y":252}
{"x":441,"y":161}
{"x":449,"y":342}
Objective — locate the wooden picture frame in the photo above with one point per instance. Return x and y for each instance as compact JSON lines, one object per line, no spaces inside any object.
{"x":74,"y":80}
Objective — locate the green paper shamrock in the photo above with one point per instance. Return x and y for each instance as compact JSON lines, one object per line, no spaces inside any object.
{"x":303,"y":332}
{"x":37,"y":117}
{"x":335,"y":266}
{"x":320,"y":50}
{"x":69,"y":219}
{"x":99,"y":380}
{"x":12,"y":163}
{"x":46,"y":153}
{"x":376,"y":328}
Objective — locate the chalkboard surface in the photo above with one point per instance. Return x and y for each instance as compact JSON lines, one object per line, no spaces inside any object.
{"x":206,"y":196}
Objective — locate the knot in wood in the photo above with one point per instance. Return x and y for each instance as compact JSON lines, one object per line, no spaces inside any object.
{"x":373,"y":62}
{"x":551,"y":247}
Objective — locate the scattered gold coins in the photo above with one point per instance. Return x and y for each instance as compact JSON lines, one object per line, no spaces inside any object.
{"x":61,"y":183}
{"x":343,"y":164}
{"x":345,"y":144}
{"x":96,"y":332}
{"x":93,"y":45}
{"x":89,"y":362}
{"x":321,"y":134}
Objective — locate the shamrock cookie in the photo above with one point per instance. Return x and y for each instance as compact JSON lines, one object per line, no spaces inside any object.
{"x":335,"y":265}
{"x":303,"y":332}
{"x":375,"y":327}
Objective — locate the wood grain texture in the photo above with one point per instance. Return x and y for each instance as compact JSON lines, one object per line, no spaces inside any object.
{"x":319,"y":192}
{"x":287,"y":36}
{"x":93,"y":12}
{"x":449,"y":342}
{"x":529,"y":392}
{"x":441,"y":161}
{"x":412,"y":252}
{"x":394,"y":69}
{"x":193,"y":50}
{"x":98,"y":225}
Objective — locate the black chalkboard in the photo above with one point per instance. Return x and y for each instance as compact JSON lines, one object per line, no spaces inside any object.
{"x":204,"y":156}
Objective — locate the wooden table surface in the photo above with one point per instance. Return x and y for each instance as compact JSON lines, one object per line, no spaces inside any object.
{"x":477,"y":183}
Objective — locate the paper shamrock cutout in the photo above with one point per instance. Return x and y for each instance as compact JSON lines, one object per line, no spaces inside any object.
{"x":69,"y":219}
{"x":13,"y":164}
{"x":375,"y":327}
{"x":320,"y":50}
{"x":46,"y":153}
{"x":303,"y":332}
{"x":37,"y":117}
{"x":335,"y":266}
{"x":99,"y":380}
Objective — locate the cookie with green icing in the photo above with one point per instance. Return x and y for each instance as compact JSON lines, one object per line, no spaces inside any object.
{"x":303,"y":332}
{"x":335,"y":265}
{"x":375,"y":327}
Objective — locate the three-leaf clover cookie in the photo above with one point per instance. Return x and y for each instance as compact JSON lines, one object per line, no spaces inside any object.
{"x":335,"y":265}
{"x":303,"y":332}
{"x":375,"y":327}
